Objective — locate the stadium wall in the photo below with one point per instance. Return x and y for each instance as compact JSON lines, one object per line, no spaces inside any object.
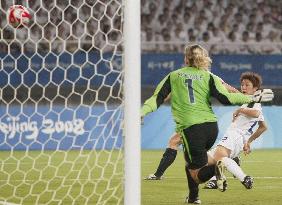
{"x":159,"y":126}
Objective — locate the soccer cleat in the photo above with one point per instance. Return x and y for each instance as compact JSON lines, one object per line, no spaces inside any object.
{"x":211,"y":185}
{"x":248,"y":182}
{"x":153,"y":177}
{"x":220,"y":177}
{"x":192,"y":201}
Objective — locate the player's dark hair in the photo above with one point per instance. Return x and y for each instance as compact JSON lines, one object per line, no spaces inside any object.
{"x":253,"y":77}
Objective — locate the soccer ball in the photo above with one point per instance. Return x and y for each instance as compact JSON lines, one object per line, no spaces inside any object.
{"x":18,"y":16}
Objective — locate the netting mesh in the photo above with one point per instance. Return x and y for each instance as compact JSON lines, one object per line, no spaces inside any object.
{"x":61,"y":105}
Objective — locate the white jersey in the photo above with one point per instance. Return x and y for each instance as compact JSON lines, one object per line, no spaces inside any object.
{"x":244,"y":125}
{"x":239,"y":132}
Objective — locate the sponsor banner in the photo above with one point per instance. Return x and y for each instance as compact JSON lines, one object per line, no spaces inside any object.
{"x":60,"y":128}
{"x":88,"y":128}
{"x":154,"y":67}
{"x":229,"y":67}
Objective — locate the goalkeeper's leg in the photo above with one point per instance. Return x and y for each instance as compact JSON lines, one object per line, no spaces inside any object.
{"x":196,"y":141}
{"x":193,"y":187}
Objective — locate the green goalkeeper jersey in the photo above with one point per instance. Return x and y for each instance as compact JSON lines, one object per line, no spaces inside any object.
{"x":190,"y":90}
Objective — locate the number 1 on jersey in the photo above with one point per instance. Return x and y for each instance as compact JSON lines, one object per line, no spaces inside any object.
{"x":189,"y":83}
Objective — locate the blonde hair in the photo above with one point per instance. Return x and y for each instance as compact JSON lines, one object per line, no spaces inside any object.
{"x":198,"y":57}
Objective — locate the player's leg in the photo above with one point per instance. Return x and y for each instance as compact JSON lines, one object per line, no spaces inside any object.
{"x":237,"y":160}
{"x":212,"y":183}
{"x":232,"y":166}
{"x":247,"y":181}
{"x":234,"y":169}
{"x":208,"y":170}
{"x":168,"y":157}
{"x":199,"y":138}
{"x":223,"y":153}
{"x":193,"y":187}
{"x":196,"y":143}
{"x":219,"y":154}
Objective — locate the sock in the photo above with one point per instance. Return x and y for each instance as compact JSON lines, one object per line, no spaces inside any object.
{"x":233,"y":168}
{"x":206,"y":172}
{"x":168,"y":158}
{"x":192,"y":185}
{"x":237,"y":160}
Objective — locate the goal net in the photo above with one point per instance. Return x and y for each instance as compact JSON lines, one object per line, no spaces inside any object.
{"x":61,"y":109}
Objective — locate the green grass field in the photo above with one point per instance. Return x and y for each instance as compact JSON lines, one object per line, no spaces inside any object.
{"x":264,"y":165}
{"x":96,"y":177}
{"x":61,"y":177}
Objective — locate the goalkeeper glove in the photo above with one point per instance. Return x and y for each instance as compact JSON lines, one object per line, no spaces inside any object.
{"x":264,"y":95}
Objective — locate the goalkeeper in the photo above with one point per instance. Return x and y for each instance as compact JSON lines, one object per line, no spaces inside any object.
{"x":191,"y":88}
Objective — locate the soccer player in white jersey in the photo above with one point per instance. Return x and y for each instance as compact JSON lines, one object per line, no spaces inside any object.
{"x":240,"y":134}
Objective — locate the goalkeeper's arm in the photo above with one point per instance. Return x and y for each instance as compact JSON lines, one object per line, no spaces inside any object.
{"x":160,"y":95}
{"x":230,"y":88}
{"x":220,"y":92}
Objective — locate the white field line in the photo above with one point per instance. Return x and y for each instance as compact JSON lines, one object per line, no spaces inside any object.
{"x":7,"y":203}
{"x":257,"y":161}
{"x":243,"y":161}
{"x":116,"y":178}
{"x":264,"y":177}
{"x":41,"y":163}
{"x":44,"y":163}
{"x":31,"y":181}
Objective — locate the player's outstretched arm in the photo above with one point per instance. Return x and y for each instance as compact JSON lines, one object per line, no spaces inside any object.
{"x":261,"y":129}
{"x":159,"y":97}
{"x":230,"y":88}
{"x":220,"y":92}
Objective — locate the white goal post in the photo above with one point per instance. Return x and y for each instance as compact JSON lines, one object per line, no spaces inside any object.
{"x":70,"y":104}
{"x":132,"y":91}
